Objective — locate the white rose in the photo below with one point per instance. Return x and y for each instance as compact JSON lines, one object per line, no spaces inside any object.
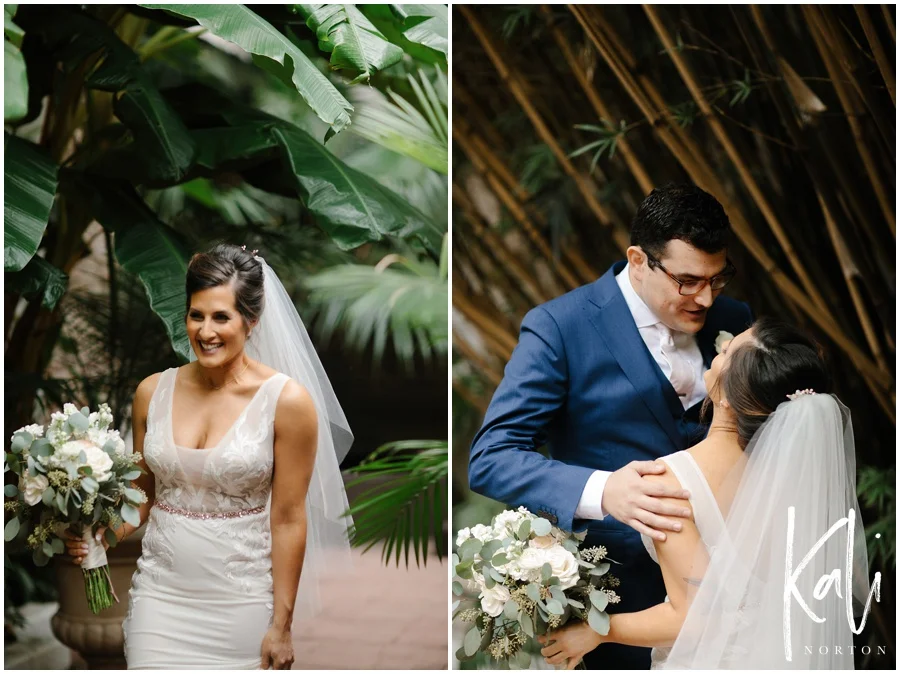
{"x":721,"y":339}
{"x":99,"y":461}
{"x":33,"y":488}
{"x":494,"y":599}
{"x":36,"y":430}
{"x":482,"y":532}
{"x":562,"y":563}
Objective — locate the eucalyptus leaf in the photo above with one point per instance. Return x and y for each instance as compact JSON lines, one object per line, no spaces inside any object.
{"x":39,"y":558}
{"x":472,"y":641}
{"x":41,"y":448}
{"x":499,"y":559}
{"x":78,"y":421}
{"x":489,"y":548}
{"x":598,"y":621}
{"x":110,"y":537}
{"x":599,"y":599}
{"x":489,"y":581}
{"x":58,"y":546}
{"x":546,"y":572}
{"x":131,"y":515}
{"x":48,"y":496}
{"x":496,"y":575}
{"x":526,"y":623}
{"x":131,"y":475}
{"x":575,"y":603}
{"x":90,"y":485}
{"x":457,"y":588}
{"x":524,"y":530}
{"x":523,"y":659}
{"x":20,"y":442}
{"x":540,"y":526}
{"x":511,"y":609}
{"x":554,"y":607}
{"x":533,"y":591}
{"x":135,"y":496}
{"x":600,"y":570}
{"x":11,"y":529}
{"x":469,"y":548}
{"x":10,"y":491}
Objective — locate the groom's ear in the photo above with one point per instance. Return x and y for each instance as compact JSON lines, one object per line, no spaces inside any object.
{"x":636,"y":258}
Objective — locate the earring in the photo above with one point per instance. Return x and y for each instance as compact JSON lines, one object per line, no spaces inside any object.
{"x":723,"y":403}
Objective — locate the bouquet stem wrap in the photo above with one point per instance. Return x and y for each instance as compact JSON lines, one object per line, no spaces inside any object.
{"x":97,"y":582}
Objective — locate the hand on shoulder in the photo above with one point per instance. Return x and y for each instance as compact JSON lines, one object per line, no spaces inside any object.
{"x":643,"y":495}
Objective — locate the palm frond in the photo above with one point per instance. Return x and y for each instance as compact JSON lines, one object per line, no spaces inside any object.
{"x":405,"y":506}
{"x":417,"y":131}
{"x":370,"y":305}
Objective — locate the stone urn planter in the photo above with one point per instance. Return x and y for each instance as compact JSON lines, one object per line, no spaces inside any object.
{"x":98,"y":638}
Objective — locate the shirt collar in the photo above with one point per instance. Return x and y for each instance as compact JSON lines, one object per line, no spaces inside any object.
{"x":643,"y":316}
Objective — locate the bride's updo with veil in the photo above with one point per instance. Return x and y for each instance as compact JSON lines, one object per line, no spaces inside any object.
{"x":229,"y":264}
{"x":779,"y":360}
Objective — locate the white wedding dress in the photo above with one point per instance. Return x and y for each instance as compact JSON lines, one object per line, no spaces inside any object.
{"x":201,"y":597}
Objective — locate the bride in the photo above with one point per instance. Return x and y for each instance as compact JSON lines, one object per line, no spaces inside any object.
{"x":241,"y":450}
{"x":775,"y":474}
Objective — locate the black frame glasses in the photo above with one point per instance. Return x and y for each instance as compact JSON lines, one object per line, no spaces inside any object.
{"x":717,"y":282}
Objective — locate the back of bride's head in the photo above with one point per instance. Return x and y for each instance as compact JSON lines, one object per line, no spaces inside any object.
{"x":777,"y":361}
{"x":227,"y":264}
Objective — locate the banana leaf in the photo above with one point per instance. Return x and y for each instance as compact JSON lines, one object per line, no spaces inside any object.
{"x":239,"y":25}
{"x":15,"y":79}
{"x":38,"y":278}
{"x":29,"y":183}
{"x":354,"y":43}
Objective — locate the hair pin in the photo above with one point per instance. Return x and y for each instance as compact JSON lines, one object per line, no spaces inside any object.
{"x":798,"y":393}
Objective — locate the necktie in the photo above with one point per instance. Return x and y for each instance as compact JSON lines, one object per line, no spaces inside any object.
{"x":682,"y":376}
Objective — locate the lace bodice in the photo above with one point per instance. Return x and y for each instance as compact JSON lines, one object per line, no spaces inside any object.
{"x":235,"y":474}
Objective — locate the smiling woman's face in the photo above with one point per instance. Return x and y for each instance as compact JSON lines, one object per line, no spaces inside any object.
{"x":215,"y":327}
{"x":711,"y":376}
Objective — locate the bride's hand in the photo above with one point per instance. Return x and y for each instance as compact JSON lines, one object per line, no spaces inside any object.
{"x":569,"y":644}
{"x":277,"y":649}
{"x":77,"y":548}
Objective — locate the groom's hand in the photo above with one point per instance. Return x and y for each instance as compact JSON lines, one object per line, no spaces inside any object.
{"x":636,"y":502}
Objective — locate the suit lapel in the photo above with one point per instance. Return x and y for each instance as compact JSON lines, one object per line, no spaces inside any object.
{"x":611,"y":318}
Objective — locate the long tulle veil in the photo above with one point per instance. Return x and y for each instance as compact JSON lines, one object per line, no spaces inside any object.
{"x":797,"y":484}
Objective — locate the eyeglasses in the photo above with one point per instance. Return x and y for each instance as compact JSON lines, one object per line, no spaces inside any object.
{"x":693,"y":287}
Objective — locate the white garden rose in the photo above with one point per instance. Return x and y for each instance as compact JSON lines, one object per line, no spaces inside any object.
{"x":509,"y":521}
{"x":32,"y":488}
{"x":494,"y":599}
{"x":99,"y":461}
{"x":562,"y":563}
{"x":544,"y":542}
{"x":463,"y":536}
{"x":482,"y":532}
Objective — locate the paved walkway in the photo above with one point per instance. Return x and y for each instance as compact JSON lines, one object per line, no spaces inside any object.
{"x":381,"y":617}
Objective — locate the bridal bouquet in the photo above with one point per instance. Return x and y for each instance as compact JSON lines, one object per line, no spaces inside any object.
{"x":530,"y":577}
{"x":77,"y":475}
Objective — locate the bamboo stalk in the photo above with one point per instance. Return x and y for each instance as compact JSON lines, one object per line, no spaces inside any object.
{"x":705,"y":179}
{"x":849,"y":271}
{"x":462,"y":95}
{"x":634,"y":164}
{"x":743,"y":170}
{"x":884,"y":65}
{"x":820,"y":36}
{"x":520,"y":194}
{"x":513,"y":207}
{"x":483,"y":366}
{"x":502,"y":340}
{"x":507,"y":261}
{"x":888,"y":21}
{"x":513,"y":83}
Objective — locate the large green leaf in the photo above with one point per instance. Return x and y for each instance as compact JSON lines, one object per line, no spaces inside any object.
{"x":151,"y":251}
{"x":355,"y":44}
{"x":351,"y":207}
{"x":15,"y":79}
{"x":425,"y":25}
{"x":239,"y":25}
{"x":39,"y":278}
{"x":29,"y":184}
{"x":161,"y":144}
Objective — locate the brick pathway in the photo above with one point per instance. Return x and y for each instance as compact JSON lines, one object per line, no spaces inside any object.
{"x":383,"y":617}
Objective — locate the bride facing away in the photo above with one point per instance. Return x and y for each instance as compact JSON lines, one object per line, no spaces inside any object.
{"x":241,"y":451}
{"x":771,"y":568}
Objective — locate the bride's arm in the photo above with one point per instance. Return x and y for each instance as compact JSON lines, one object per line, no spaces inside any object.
{"x":146,"y":482}
{"x":296,"y":433}
{"x":682,"y":560}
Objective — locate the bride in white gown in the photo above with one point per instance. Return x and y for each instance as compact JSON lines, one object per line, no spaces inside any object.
{"x":779,"y":462}
{"x":245,"y":499}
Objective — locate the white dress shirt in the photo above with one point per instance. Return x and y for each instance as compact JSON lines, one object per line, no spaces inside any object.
{"x":653,"y":332}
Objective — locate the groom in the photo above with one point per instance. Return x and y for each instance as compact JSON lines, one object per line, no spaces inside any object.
{"x":610,"y":377}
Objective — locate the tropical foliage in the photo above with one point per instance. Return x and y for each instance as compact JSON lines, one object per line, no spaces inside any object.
{"x":566,"y":117}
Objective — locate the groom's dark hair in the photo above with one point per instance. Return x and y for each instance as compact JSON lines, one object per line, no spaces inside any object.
{"x":680,"y":211}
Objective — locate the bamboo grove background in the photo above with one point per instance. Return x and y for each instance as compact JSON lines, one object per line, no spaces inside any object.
{"x":565,"y":117}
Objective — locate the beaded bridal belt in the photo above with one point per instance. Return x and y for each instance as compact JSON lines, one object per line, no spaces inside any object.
{"x":209,"y":516}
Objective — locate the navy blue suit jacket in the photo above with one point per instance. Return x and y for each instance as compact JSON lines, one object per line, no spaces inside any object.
{"x":582,"y":381}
